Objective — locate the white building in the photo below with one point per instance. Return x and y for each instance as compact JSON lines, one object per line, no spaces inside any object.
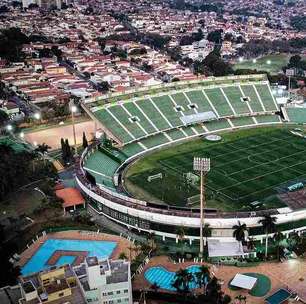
{"x":105,"y":282}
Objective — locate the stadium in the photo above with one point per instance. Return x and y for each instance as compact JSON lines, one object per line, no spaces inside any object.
{"x":140,"y":174}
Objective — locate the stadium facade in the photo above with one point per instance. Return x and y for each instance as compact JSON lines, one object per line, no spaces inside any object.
{"x":147,"y":119}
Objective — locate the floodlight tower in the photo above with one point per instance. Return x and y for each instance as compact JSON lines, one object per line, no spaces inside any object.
{"x":201,"y":165}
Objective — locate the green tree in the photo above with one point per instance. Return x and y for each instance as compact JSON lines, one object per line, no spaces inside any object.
{"x":239,"y":232}
{"x":182,"y":280}
{"x":268,"y":224}
{"x":43,"y":150}
{"x":277,"y":238}
{"x":85,"y":142}
{"x":203,"y":276}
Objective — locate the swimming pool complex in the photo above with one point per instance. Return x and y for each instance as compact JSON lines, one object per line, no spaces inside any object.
{"x":164,"y":278}
{"x":39,"y":261}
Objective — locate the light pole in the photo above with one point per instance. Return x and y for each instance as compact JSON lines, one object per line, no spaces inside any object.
{"x":74,"y":109}
{"x":201,"y":165}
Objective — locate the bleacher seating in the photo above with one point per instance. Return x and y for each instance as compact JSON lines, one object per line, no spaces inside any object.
{"x":296,"y":114}
{"x":140,"y":118}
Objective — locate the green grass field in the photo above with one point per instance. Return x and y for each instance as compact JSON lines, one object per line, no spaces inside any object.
{"x":277,"y":62}
{"x":247,"y":165}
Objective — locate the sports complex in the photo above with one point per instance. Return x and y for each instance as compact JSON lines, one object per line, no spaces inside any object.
{"x":145,"y":178}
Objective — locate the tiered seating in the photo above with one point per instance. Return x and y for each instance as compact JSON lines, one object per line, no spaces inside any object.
{"x":176,"y":134}
{"x":234,"y":96}
{"x":267,"y":119}
{"x":132,"y":149}
{"x":181,"y":100}
{"x":153,"y":114}
{"x":266,"y":97}
{"x":220,"y":103}
{"x":113,"y":125}
{"x":197,"y":97}
{"x":101,"y":163}
{"x":297,"y":115}
{"x":242,"y":121}
{"x":145,"y":123}
{"x":217,"y":125}
{"x":249,"y":91}
{"x":133,"y":120}
{"x":154,"y":141}
{"x":166,"y":106}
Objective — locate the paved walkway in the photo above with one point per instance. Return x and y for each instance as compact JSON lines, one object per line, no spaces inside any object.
{"x":290,"y":274}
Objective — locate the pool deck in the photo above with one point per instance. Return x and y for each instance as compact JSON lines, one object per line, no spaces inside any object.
{"x":282,"y":275}
{"x":123,"y":244}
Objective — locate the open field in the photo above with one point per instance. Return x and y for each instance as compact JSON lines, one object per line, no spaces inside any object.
{"x":277,"y":62}
{"x":247,"y":165}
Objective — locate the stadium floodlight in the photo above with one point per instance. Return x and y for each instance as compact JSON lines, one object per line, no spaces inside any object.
{"x":73,"y":110}
{"x":201,"y":165}
{"x":9,"y":128}
{"x":21,"y":135}
{"x":254,"y":60}
{"x":269,"y":62}
{"x":241,"y":59}
{"x":37,"y":115}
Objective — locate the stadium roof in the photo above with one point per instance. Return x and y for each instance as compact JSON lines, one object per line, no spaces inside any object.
{"x":200,"y":117}
{"x":217,"y":248}
{"x":243,"y":281}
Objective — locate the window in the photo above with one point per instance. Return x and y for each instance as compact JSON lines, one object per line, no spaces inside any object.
{"x":118,"y":292}
{"x":119,"y":301}
{"x":89,"y":300}
{"x":125,"y":291}
{"x":60,"y":294}
{"x":110,"y":293}
{"x":104,"y":293}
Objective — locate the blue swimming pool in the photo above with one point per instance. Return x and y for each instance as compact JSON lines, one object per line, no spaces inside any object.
{"x":164,"y":278}
{"x":38,"y":261}
{"x":278,"y":297}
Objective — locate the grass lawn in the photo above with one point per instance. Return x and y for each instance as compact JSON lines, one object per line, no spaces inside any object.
{"x":277,"y":62}
{"x":246,"y":165}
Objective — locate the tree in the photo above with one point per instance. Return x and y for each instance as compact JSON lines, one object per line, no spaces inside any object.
{"x":3,"y":117}
{"x":68,"y":149}
{"x":251,"y":243}
{"x":43,"y":150}
{"x":63,"y":149}
{"x":122,"y":256}
{"x":8,"y":273}
{"x":215,"y":36}
{"x":104,"y":86}
{"x":155,"y":287}
{"x":203,"y":276}
{"x":239,"y":232}
{"x":182,"y":280}
{"x":85,"y":142}
{"x":268,"y":224}
{"x":206,"y":232}
{"x":277,"y":238}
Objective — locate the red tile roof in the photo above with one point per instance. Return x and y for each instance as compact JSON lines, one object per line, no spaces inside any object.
{"x":70,"y":196}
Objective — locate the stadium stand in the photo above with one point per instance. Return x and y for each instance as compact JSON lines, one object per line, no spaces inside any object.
{"x":296,"y":114}
{"x":138,"y":118}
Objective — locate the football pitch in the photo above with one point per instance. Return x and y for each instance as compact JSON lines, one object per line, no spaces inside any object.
{"x":254,"y":165}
